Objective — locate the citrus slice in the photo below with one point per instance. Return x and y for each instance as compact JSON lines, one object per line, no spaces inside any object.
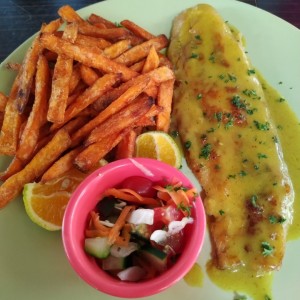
{"x":158,"y":145}
{"x":45,"y":203}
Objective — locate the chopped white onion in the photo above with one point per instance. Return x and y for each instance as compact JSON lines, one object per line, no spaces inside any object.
{"x":176,"y":226}
{"x":123,"y":251}
{"x":160,"y":236}
{"x":134,"y":273}
{"x":141,"y":216}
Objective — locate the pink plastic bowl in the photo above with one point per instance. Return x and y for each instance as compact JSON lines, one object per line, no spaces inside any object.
{"x":85,"y":198}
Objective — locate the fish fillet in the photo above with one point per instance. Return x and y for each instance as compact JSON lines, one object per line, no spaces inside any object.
{"x":230,"y":142}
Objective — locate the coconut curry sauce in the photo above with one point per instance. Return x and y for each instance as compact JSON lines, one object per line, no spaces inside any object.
{"x":231,"y":144}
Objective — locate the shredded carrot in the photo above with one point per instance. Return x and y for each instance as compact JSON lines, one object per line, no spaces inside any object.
{"x":97,"y":224}
{"x":124,"y":239}
{"x":178,"y":196}
{"x":115,"y":230}
{"x":130,"y":196}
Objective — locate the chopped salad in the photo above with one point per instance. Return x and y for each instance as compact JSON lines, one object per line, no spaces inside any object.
{"x":137,"y":230}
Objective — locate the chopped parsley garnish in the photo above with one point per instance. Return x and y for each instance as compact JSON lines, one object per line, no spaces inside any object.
{"x":175,"y":133}
{"x":228,"y":77}
{"x":218,"y":116}
{"x":231,"y":176}
{"x":210,"y":130}
{"x":118,"y":24}
{"x":275,"y":139}
{"x":187,"y":144}
{"x":229,"y":123}
{"x":261,"y":155}
{"x":221,"y":212}
{"x":251,"y":111}
{"x":281,"y":99}
{"x":243,"y":173}
{"x":239,"y":297}
{"x":250,"y":72}
{"x":262,"y":126}
{"x":267,"y":249}
{"x":217,"y":167}
{"x":250,"y":93}
{"x":253,"y":200}
{"x":199,"y":96}
{"x":238,"y":102}
{"x":274,"y":220}
{"x":205,"y":151}
{"x":267,"y":297}
{"x":212,"y":58}
{"x":194,"y":55}
{"x":185,"y":208}
{"x":198,"y":37}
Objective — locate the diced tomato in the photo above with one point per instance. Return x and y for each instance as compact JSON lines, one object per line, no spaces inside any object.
{"x":164,"y":215}
{"x":174,"y":243}
{"x":139,"y":184}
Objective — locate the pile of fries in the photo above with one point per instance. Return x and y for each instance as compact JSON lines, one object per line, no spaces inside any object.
{"x":82,"y":93}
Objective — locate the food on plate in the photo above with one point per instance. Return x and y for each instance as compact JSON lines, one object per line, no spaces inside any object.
{"x":231,"y":143}
{"x":45,"y":202}
{"x":159,"y":145}
{"x":84,"y":91}
{"x":137,"y":229}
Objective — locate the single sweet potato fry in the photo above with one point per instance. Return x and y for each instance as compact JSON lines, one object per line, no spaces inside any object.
{"x":137,"y":30}
{"x":75,"y":78}
{"x":141,"y":51}
{"x":152,"y":61}
{"x":37,"y":116}
{"x":92,"y":41}
{"x":61,"y":80}
{"x":164,"y":99}
{"x":52,"y":26}
{"x":117,"y":49}
{"x":88,"y":75}
{"x":62,"y":165}
{"x":27,"y":72}
{"x":110,"y":34}
{"x":126,"y":147}
{"x":3,"y":102}
{"x":68,"y":14}
{"x":96,"y":19}
{"x":35,"y":168}
{"x":12,"y":120}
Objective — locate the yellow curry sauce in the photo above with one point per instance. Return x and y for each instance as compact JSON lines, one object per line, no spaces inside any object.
{"x":232,"y":130}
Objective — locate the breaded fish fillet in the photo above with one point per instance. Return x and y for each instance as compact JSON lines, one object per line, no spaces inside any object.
{"x":230,"y":142}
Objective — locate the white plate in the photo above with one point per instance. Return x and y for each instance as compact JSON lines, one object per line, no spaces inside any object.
{"x":32,"y":261}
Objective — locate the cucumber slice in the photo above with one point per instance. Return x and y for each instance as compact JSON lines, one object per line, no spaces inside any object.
{"x":141,"y":231}
{"x":98,"y":247}
{"x":155,"y":257}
